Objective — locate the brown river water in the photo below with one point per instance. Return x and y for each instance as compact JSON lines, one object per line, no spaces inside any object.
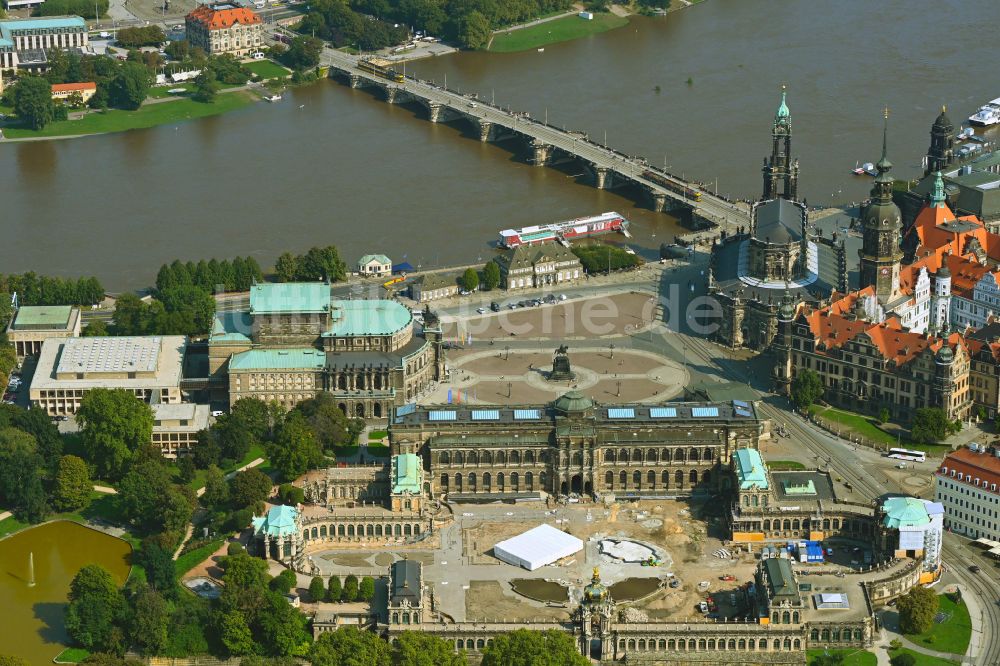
{"x":334,"y":165}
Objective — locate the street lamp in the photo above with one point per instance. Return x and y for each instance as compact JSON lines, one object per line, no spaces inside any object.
{"x":612,"y":348}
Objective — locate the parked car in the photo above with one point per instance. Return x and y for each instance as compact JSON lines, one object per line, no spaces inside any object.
{"x":494,"y":306}
{"x":481,"y":310}
{"x":974,"y":569}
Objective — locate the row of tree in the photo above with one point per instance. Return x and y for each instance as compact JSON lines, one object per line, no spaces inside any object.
{"x":133,"y":38}
{"x":605,"y":258}
{"x":84,"y":8}
{"x":339,"y":23}
{"x":182,"y":310}
{"x":211,"y":276}
{"x":33,"y":289}
{"x":319,"y":263}
{"x":350,"y":590}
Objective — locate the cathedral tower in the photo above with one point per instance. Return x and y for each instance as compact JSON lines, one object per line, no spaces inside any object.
{"x":781,"y":172}
{"x":881,"y":224}
{"x":942,"y":150}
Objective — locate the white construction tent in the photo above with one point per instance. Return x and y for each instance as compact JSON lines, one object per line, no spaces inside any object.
{"x":537,"y":547}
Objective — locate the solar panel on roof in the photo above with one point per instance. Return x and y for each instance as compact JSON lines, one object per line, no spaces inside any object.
{"x":485,"y":414}
{"x":740,"y":403}
{"x":704,"y":411}
{"x":743,"y":412}
{"x":525,"y":414}
{"x":662,"y":412}
{"x":406,"y":409}
{"x":442,"y":415}
{"x":621,"y":413}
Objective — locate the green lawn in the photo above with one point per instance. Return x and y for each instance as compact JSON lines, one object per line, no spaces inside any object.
{"x":778,"y":465}
{"x":256,"y":451}
{"x":551,"y":32}
{"x":193,"y":558}
{"x":378,"y":434}
{"x":851,"y":657}
{"x":923,"y":659}
{"x":71,"y":656}
{"x":953,"y":634}
{"x":266,"y":69}
{"x":157,"y":92}
{"x":867,"y":428}
{"x":150,"y":115}
{"x":380,"y":450}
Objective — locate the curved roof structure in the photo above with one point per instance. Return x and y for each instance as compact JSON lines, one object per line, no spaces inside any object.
{"x":280,"y":521}
{"x":573,"y":401}
{"x":778,"y":221}
{"x":904,"y":512}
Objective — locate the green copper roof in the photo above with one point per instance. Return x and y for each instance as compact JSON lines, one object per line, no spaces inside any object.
{"x":231,"y":327}
{"x":279,"y":521}
{"x":406,"y":473}
{"x":375,"y":317}
{"x":368,"y":258}
{"x":278,"y":359}
{"x":750,"y":469}
{"x":904,"y":512}
{"x":289,"y":298}
{"x":938,"y":198}
{"x":783,"y":107}
{"x":573,"y":401}
{"x":42,"y":316}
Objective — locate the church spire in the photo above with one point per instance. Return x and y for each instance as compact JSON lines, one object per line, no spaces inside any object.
{"x":884,"y":165}
{"x":781,"y":171}
{"x":782,"y":114}
{"x":937,"y":197}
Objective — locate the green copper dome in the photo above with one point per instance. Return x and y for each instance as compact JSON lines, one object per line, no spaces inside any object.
{"x":938,"y":198}
{"x":573,"y":401}
{"x":782,"y":108}
{"x":596,"y":591}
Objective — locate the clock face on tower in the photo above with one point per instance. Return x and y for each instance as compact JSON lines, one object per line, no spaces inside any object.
{"x":885,"y":270}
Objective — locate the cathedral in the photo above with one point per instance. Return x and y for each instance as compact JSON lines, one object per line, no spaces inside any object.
{"x":778,"y":259}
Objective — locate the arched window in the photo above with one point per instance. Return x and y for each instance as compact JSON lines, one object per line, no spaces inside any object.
{"x":480,"y":644}
{"x":577,"y":459}
{"x":788,"y":643}
{"x":472,"y":482}
{"x":623,"y":456}
{"x":444,"y":458}
{"x":671,"y":644}
{"x":459,"y":457}
{"x":662,"y":645}
{"x":732,"y":644}
{"x":637,"y":479}
{"x":642,"y":644}
{"x":786,"y":618}
{"x":706,"y":476}
{"x":631,"y":644}
{"x":637,"y":455}
{"x":473,"y":457}
{"x":444,"y":482}
{"x":651,"y":479}
{"x":693,"y":455}
{"x":767,"y":525}
{"x":529,"y":457}
{"x":693,"y":476}
{"x":708,"y":454}
{"x":500,"y":481}
{"x":529,"y":481}
{"x":458,"y":482}
{"x":609,"y":480}
{"x":487,"y":457}
{"x":487,"y":482}
{"x":679,"y":456}
{"x":609,"y":456}
{"x":501,"y":457}
{"x":407,"y":530}
{"x":665,"y":479}
{"x":651,"y":455}
{"x":665,"y":455}
{"x":742,"y":645}
{"x":797,"y":644}
{"x":679,"y":478}
{"x":711,"y":643}
{"x":515,"y":481}
{"x":795,"y":617}
{"x":701,"y":643}
{"x":623,"y":479}
{"x":515,"y":457}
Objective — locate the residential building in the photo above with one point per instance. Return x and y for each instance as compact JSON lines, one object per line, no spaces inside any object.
{"x":295,"y":341}
{"x":966,"y":484}
{"x":433,"y":286}
{"x":62,"y":92}
{"x":533,"y":266}
{"x":374,"y":265}
{"x":150,"y":367}
{"x":777,"y":258}
{"x":176,"y":427}
{"x":984,"y":372}
{"x":34,"y":324}
{"x":23,"y":42}
{"x":224,"y":28}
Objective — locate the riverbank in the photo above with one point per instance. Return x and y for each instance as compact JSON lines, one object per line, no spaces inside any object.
{"x":560,"y":29}
{"x":148,"y":115}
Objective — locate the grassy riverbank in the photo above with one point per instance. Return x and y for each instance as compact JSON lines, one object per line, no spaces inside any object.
{"x":552,"y":32}
{"x":149,"y":115}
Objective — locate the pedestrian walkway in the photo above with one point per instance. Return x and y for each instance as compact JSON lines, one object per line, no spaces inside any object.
{"x":890,"y":624}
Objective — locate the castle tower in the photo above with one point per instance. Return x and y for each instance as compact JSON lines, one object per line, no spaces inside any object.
{"x":881,"y":223}
{"x":941,"y":152}
{"x":781,"y":172}
{"x":782,"y":345}
{"x":941,"y":300}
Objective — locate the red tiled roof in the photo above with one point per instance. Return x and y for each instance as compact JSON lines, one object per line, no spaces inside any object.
{"x":73,"y":87}
{"x":214,"y":19}
{"x":984,"y":466}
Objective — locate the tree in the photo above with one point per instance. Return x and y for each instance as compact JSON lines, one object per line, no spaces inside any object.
{"x":253,"y":415}
{"x":474,"y":31}
{"x":883,"y":415}
{"x":904,"y":659}
{"x":94,"y":605}
{"x":366,"y":589}
{"x":295,"y":450}
{"x":22,"y":469}
{"x":322,"y":263}
{"x":33,"y":103}
{"x":835,"y":659}
{"x":137,"y":37}
{"x":282,"y":628}
{"x":349,"y":646}
{"x":216,"y":488}
{"x":190,"y":310}
{"x":334,"y":591}
{"x":235,"y":633}
{"x":350,"y":589}
{"x":186,"y":470}
{"x":304,"y":52}
{"x":114,"y":424}
{"x":150,"y":500}
{"x":205,"y":87}
{"x":317,"y":589}
{"x":332,"y":428}
{"x":291,"y":495}
{"x":930,"y":425}
{"x":807,"y":388}
{"x":95,"y":329}
{"x":249,"y":487}
{"x":491,"y":276}
{"x":917,"y":609}
{"x":158,"y":563}
{"x":416,"y":648}
{"x":130,"y":85}
{"x":178,"y":50}
{"x":73,"y":485}
{"x":287,"y":267}
{"x":533,"y":648}
{"x":470,"y":279}
{"x":147,"y":618}
{"x":245,"y":587}
{"x":283,"y":582}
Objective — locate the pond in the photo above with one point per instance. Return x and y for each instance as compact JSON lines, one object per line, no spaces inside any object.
{"x":540,"y":590}
{"x":633,"y":588}
{"x":35,"y":614}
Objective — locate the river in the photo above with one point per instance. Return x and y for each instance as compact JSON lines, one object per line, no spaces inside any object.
{"x":334,"y":165}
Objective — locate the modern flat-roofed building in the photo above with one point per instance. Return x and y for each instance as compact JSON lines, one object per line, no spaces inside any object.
{"x":967,"y":484}
{"x":224,"y":28}
{"x":23,"y":42}
{"x":176,"y":426}
{"x":150,"y":367}
{"x":34,"y":324}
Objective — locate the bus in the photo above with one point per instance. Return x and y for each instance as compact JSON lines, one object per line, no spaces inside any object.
{"x":906,"y":454}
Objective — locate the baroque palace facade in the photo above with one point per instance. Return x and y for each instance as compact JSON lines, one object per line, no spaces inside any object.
{"x":295,"y":341}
